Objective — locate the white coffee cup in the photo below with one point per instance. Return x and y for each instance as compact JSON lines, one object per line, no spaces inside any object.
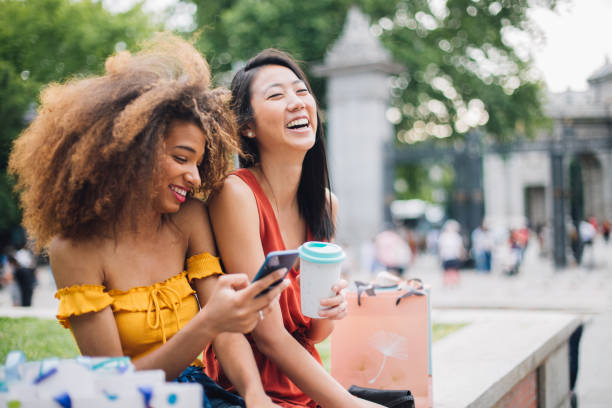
{"x":319,"y":271}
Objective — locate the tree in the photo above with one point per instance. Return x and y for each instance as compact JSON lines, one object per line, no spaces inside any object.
{"x":50,"y":40}
{"x":235,"y":30}
{"x":461,"y":69}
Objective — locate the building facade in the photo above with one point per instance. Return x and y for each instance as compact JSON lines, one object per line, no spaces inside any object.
{"x":562,"y":176}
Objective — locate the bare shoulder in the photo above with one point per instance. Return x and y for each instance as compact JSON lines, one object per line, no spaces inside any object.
{"x":234,"y":187}
{"x":235,"y":218}
{"x":194,"y":222}
{"x":234,"y":193}
{"x":191,"y":210}
{"x":76,"y":262}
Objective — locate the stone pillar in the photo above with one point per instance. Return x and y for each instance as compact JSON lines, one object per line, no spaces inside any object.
{"x":357,"y":67}
{"x":493,"y":168}
{"x":559,"y":197}
{"x":606,"y":161}
{"x":467,"y":202}
{"x":605,"y":184}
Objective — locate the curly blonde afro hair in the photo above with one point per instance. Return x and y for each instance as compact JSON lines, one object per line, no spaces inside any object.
{"x":92,"y":154}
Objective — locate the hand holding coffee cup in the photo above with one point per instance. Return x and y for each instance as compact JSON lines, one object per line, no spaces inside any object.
{"x":335,"y":307}
{"x":320,"y":283}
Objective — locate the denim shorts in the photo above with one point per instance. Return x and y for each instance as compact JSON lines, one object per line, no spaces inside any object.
{"x":214,"y":395}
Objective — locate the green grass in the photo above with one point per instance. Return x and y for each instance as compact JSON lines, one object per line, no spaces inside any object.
{"x":37,"y":338}
{"x":438,"y":331}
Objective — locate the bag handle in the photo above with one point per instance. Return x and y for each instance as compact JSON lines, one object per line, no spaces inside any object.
{"x":413,"y":287}
{"x":410,"y":292}
{"x":364,"y":287}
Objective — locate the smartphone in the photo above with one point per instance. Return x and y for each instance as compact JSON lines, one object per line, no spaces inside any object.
{"x":276,"y":260}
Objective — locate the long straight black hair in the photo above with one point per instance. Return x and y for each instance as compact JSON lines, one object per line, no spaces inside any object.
{"x":314,"y":185}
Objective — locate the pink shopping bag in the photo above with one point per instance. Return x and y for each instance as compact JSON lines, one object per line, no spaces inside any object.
{"x":385,"y":343}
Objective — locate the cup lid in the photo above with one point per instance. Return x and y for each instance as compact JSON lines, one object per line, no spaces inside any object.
{"x":321,"y":252}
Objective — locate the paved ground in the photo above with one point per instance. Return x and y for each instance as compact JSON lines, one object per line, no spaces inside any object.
{"x":538,"y":286}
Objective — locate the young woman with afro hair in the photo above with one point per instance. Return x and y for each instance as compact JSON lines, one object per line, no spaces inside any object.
{"x":108,"y":173}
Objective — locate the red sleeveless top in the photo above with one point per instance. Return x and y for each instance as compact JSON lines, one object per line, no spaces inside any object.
{"x":277,"y":385}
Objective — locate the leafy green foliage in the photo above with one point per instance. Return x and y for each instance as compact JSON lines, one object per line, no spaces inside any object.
{"x":37,"y":338}
{"x":9,"y":211}
{"x":235,"y":30}
{"x":53,"y":39}
{"x":461,"y":71}
{"x":42,"y":41}
{"x":432,"y":183}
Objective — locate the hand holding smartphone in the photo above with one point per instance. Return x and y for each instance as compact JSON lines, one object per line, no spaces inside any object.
{"x":276,"y":260}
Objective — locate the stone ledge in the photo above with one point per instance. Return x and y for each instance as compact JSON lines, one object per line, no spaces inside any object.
{"x":478,"y":365}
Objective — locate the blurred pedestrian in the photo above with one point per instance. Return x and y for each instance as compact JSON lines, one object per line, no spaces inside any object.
{"x":575,"y":243}
{"x":587,"y":233}
{"x":522,"y":240}
{"x":593,"y":221}
{"x":25,"y":275}
{"x":516,"y":252}
{"x":432,"y":240}
{"x":482,"y":245}
{"x":541,"y":234}
{"x":9,"y":266}
{"x":605,"y":230}
{"x":393,"y":253}
{"x":25,"y":258}
{"x":25,"y":279}
{"x":451,"y":252}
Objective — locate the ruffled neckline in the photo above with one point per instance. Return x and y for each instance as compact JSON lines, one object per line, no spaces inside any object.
{"x":148,"y":288}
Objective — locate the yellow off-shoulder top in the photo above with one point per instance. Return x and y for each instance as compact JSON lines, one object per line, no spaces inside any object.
{"x":146,"y":316}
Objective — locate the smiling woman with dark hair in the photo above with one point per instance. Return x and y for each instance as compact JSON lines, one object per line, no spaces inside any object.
{"x":106,"y":173}
{"x":279,"y":200}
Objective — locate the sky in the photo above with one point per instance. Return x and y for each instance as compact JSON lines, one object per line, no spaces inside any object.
{"x":578,"y":37}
